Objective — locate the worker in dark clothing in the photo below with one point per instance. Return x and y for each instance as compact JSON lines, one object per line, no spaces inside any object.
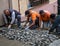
{"x":56,"y":21}
{"x":33,"y":19}
{"x":10,"y":16}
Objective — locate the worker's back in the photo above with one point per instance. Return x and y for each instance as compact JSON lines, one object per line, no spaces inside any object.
{"x":34,"y":15}
{"x":46,"y":16}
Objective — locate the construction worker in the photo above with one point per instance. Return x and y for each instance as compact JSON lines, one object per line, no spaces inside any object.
{"x":10,"y":16}
{"x":56,"y":23}
{"x":33,"y":19}
{"x":44,"y":19}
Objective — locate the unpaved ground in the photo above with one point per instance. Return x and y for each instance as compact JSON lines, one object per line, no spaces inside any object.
{"x":6,"y":42}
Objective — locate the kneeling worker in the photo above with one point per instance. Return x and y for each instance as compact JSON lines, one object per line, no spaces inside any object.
{"x":45,"y":18}
{"x":10,"y":16}
{"x":56,"y":23}
{"x":33,"y":19}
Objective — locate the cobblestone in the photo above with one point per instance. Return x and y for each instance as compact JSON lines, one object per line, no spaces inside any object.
{"x":29,"y":37}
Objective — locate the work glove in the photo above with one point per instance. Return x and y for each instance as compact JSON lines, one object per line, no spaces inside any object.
{"x":27,"y":28}
{"x":9,"y":26}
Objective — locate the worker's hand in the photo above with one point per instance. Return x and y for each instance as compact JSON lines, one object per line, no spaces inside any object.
{"x":9,"y":26}
{"x":24,"y":25}
{"x":27,"y":28}
{"x":38,"y":28}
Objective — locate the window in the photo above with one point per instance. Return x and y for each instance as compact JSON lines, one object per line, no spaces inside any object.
{"x":37,"y":2}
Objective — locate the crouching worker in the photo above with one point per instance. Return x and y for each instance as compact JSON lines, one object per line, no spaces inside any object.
{"x":10,"y":16}
{"x":55,"y":23}
{"x":32,"y":18}
{"x":44,"y":18}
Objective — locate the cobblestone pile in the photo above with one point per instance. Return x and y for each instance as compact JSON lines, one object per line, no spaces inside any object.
{"x":29,"y":37}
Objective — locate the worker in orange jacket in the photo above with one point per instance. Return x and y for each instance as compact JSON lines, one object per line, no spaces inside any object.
{"x":33,"y":19}
{"x":44,"y":17}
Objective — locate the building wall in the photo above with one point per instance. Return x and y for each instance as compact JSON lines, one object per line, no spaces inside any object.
{"x":10,"y":4}
{"x":23,"y":6}
{"x":51,"y":1}
{"x":15,"y":4}
{"x":3,"y":5}
{"x":49,"y":7}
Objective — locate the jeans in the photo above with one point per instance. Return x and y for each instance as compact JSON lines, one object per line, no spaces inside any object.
{"x":58,"y":29}
{"x":46,"y":24}
{"x":18,"y":20}
{"x":36,"y":25}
